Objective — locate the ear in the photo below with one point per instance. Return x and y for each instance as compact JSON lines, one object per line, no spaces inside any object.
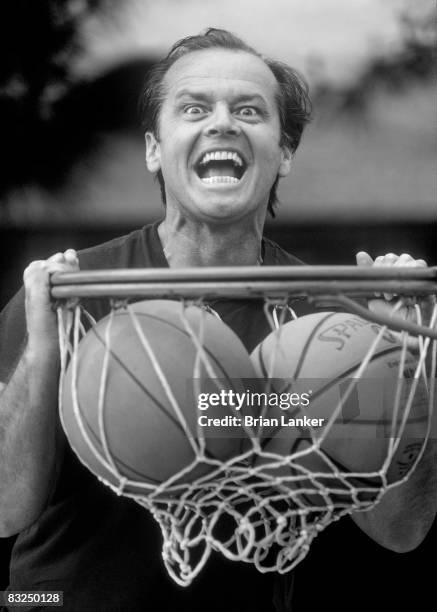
{"x":153,"y":153}
{"x":286,"y":159}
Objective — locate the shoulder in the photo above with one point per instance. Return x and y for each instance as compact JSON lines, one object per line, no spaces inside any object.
{"x":139,"y":248}
{"x":274,"y":255}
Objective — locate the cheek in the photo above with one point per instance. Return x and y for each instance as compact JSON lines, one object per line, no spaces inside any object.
{"x":269,"y":148}
{"x":178,"y":143}
{"x":271,"y":160}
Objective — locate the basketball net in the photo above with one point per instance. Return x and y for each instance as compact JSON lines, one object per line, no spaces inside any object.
{"x":249,"y":508}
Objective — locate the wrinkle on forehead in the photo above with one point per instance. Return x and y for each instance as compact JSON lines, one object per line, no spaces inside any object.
{"x":220,"y":65}
{"x":213,"y":88}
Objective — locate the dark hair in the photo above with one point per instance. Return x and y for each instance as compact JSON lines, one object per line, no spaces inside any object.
{"x":294,"y":105}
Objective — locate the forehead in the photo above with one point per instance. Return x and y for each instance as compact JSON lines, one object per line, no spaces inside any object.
{"x":221,"y":72}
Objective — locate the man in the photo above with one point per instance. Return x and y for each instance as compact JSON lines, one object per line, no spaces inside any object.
{"x":221,"y":127}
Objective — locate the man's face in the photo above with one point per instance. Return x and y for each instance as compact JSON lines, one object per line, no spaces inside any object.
{"x":219,"y":132}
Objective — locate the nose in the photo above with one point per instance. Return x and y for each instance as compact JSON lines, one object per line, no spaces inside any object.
{"x":222,"y":122}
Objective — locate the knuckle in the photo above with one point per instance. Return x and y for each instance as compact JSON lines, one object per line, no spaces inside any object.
{"x":56,"y":257}
{"x":34,"y":268}
{"x":35,"y":264}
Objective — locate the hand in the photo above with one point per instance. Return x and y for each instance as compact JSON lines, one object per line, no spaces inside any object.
{"x":41,"y":320}
{"x":384,"y":304}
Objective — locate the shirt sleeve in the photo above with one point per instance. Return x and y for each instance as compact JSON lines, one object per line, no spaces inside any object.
{"x":13,"y":335}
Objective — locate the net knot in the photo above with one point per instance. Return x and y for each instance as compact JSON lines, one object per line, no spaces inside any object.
{"x":119,"y":303}
{"x":121,"y":485}
{"x":185,"y":569}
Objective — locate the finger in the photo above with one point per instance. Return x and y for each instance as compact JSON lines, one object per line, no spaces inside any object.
{"x":386,"y":260}
{"x":409,"y":262}
{"x":388,"y":296}
{"x":408,"y":257}
{"x":58,"y":267}
{"x":71,"y":257}
{"x":404,"y":260}
{"x":363,"y":259}
{"x":70,"y":254}
{"x":379,"y":261}
{"x":389,"y":259}
{"x":57,"y":257}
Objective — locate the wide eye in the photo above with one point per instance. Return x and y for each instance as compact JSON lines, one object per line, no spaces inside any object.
{"x":248,"y":111}
{"x":194,"y":109}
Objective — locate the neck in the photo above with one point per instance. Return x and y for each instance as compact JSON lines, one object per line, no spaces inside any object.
{"x":188,"y":243}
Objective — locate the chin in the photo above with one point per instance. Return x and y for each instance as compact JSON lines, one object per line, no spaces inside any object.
{"x":224,"y":211}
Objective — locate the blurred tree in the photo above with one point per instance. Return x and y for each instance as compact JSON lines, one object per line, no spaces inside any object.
{"x":416,"y":62}
{"x":38,"y":43}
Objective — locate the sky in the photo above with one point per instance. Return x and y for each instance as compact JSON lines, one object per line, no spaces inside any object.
{"x":329,"y":39}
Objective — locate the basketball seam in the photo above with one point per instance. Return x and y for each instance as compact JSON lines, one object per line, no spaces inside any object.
{"x":353,"y":368}
{"x":307,"y":342}
{"x":340,"y":377}
{"x":100,"y":447}
{"x":302,"y":356}
{"x":299,"y":363}
{"x":116,"y":457}
{"x":158,"y":404}
{"x":209,"y":454}
{"x":228,"y":378}
{"x":138,"y":382}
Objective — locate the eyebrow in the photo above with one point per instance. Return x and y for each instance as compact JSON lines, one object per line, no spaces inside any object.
{"x":207,"y":97}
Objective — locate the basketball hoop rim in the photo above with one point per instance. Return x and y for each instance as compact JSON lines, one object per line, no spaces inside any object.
{"x":339,"y":284}
{"x":245,"y":282}
{"x":247,"y":273}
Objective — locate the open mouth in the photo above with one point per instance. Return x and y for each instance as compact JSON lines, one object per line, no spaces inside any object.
{"x":220,"y":167}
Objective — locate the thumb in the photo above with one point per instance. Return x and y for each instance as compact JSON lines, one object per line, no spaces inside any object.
{"x":363,"y":259}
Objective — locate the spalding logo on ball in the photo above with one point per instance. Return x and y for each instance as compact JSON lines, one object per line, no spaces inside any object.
{"x":323,"y":352}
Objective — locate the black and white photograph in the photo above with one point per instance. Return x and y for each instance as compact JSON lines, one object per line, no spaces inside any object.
{"x":218,"y":314}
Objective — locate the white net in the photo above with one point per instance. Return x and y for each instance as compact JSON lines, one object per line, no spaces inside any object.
{"x":270,"y":492}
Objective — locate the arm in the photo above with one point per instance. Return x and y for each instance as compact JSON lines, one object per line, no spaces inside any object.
{"x":31,"y":442}
{"x":405,"y":514}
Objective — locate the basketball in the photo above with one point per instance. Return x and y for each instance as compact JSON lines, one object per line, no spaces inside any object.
{"x":318,"y":357}
{"x":138,"y":428}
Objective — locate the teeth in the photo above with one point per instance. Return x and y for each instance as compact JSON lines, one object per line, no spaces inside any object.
{"x":221,"y":155}
{"x":220,"y":179}
{"x":237,"y":159}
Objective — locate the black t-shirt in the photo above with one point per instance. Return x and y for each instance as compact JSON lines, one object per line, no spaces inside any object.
{"x":102,"y":550}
